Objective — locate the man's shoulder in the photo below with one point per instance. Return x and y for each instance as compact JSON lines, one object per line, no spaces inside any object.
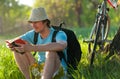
{"x":30,"y":32}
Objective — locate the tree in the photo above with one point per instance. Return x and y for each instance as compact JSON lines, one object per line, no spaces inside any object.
{"x":11,"y":12}
{"x":78,"y":10}
{"x":64,"y":10}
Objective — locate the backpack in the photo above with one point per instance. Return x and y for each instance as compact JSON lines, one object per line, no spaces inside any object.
{"x":73,"y":47}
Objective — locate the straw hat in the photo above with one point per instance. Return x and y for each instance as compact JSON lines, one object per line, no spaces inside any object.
{"x":38,"y":14}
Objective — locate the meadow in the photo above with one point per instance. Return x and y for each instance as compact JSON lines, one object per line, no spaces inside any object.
{"x":109,"y":69}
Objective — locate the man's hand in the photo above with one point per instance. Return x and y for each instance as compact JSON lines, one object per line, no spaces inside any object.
{"x":10,"y":45}
{"x":24,"y":47}
{"x":19,"y":47}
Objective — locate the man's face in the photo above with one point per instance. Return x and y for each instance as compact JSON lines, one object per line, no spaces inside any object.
{"x":38,"y":26}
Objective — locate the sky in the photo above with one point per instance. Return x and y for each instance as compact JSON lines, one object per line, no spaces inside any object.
{"x":26,"y":2}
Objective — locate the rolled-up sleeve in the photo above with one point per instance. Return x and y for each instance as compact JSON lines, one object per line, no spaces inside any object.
{"x":61,"y":36}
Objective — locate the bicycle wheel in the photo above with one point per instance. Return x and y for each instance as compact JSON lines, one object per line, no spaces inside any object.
{"x":104,"y":30}
{"x":92,"y":37}
{"x":107,"y":27}
{"x":102,"y":35}
{"x":97,"y":36}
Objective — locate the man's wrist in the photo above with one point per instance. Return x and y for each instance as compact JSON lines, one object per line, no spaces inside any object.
{"x":34,"y":48}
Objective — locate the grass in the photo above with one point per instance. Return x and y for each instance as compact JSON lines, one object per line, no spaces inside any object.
{"x":102,"y":69}
{"x":8,"y":68}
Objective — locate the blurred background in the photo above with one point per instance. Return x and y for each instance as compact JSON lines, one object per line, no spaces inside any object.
{"x":75,"y":13}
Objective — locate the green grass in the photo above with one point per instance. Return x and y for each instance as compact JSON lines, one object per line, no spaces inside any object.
{"x":102,"y":69}
{"x":8,"y":68}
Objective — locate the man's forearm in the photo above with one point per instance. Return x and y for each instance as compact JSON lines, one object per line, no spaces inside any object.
{"x":50,"y":47}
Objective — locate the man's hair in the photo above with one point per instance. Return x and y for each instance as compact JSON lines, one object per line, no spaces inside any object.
{"x":47,"y":22}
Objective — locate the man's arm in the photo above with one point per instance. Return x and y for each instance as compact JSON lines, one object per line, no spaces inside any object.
{"x":60,"y":44}
{"x":50,"y":47}
{"x":54,"y":46}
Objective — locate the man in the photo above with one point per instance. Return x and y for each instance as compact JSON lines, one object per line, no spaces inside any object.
{"x":46,"y":49}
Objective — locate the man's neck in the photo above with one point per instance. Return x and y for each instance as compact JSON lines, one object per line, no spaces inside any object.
{"x":45,"y":33}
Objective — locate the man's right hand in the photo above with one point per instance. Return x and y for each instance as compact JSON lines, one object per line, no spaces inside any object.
{"x":9,"y":45}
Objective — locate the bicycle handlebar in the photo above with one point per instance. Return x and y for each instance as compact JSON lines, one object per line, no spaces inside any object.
{"x":113,"y":3}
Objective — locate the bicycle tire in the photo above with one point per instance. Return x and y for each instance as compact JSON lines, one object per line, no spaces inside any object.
{"x":97,"y":37}
{"x":95,"y":41}
{"x":107,"y":28}
{"x":93,"y":34}
{"x":105,"y":35}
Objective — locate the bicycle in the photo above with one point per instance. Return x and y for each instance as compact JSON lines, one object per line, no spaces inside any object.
{"x":100,"y":30}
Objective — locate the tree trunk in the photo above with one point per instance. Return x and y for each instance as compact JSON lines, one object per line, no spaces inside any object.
{"x":1,"y":26}
{"x":78,"y":10}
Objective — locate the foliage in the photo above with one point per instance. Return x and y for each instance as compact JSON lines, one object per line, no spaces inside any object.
{"x":79,"y":13}
{"x":11,"y":13}
{"x":58,"y":10}
{"x":65,"y":10}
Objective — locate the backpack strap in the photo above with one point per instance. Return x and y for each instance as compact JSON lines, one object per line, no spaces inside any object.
{"x":60,"y":53}
{"x":53,"y":39}
{"x":35,"y":40}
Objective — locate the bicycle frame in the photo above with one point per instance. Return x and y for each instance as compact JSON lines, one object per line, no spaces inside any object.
{"x":99,"y":28}
{"x":102,"y":13}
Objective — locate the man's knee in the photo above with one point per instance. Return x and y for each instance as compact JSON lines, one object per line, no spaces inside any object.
{"x":51,"y":54}
{"x":26,"y":57}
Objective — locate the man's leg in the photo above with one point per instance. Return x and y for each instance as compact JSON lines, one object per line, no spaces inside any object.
{"x":52,"y":64}
{"x":24,"y":61}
